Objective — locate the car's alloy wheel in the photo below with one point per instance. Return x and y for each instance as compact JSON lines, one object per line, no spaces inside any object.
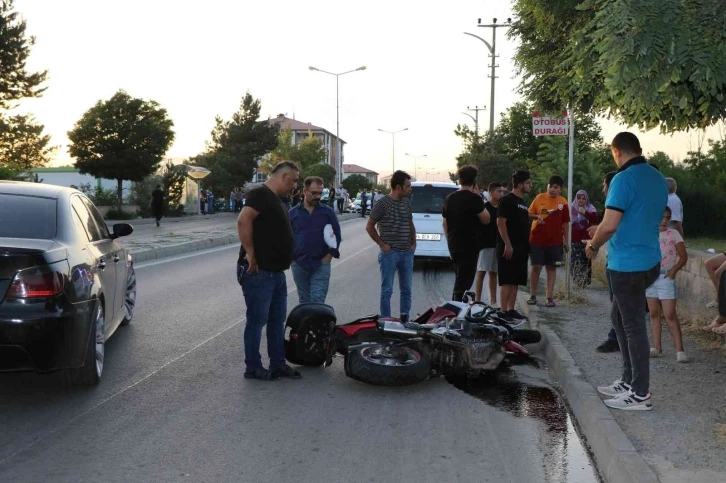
{"x":130,"y":297}
{"x":100,"y":340}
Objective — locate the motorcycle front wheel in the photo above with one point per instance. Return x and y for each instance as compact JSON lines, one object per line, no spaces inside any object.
{"x":388,"y":364}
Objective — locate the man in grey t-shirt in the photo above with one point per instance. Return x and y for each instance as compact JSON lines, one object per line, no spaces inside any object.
{"x":396,"y":236}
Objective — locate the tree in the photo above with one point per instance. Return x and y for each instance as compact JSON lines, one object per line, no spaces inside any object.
{"x":325,"y":171}
{"x":22,"y":143}
{"x":355,"y":183}
{"x":651,"y":63}
{"x":218,"y":180}
{"x":240,"y":143}
{"x":173,"y":180}
{"x":123,"y":138}
{"x":306,"y":153}
{"x":15,"y":81}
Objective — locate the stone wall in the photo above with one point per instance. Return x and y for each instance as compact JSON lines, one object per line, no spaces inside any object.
{"x":695,"y":289}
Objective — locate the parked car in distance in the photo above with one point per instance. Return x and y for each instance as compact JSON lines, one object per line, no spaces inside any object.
{"x":66,"y":283}
{"x":427,"y":203}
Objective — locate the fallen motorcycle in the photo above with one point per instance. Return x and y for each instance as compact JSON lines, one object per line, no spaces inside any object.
{"x":454,"y":339}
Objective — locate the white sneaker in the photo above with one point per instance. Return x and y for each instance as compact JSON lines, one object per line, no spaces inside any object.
{"x":655,"y":353}
{"x":682,"y":357}
{"x":630,"y":402}
{"x":615,"y":389}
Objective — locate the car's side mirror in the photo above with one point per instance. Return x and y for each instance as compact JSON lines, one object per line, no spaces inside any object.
{"x":121,"y":229}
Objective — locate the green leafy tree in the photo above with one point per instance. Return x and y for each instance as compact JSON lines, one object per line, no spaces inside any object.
{"x":16,"y":82}
{"x":22,"y":143}
{"x":650,"y":63}
{"x":325,"y":171}
{"x":385,"y":188}
{"x":306,"y":153}
{"x":283,"y":152}
{"x":240,"y":143}
{"x":173,"y":180}
{"x":355,"y":183}
{"x":123,"y":138}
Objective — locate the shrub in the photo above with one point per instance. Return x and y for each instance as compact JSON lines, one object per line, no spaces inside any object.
{"x":120,"y":215}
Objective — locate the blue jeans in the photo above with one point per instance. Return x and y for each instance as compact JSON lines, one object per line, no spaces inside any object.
{"x":390,"y":263}
{"x":266,"y":299}
{"x":312,"y":287}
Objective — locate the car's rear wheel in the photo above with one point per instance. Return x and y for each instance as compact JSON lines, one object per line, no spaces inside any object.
{"x":130,"y":297}
{"x":90,"y":373}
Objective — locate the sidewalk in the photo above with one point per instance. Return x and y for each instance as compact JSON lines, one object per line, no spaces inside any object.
{"x":684,"y":438}
{"x":183,"y":235}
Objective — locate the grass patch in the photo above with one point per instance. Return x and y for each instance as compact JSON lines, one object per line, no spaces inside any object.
{"x":691,"y":326}
{"x":703,"y":243}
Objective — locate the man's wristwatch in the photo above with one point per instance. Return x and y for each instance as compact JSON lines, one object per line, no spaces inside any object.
{"x":593,"y":247}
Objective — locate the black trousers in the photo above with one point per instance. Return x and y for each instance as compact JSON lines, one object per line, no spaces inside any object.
{"x":465,"y":267}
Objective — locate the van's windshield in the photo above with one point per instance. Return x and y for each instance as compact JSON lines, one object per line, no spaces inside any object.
{"x":429,"y":199}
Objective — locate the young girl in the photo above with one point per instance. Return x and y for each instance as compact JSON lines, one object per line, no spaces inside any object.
{"x":662,"y":294}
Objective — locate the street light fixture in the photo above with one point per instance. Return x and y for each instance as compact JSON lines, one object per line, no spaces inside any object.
{"x":415,"y":163}
{"x":338,"y":144}
{"x":393,"y":145}
{"x":433,"y":175}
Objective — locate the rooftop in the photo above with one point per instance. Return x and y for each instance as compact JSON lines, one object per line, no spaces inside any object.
{"x":354,"y":168}
{"x":295,"y":125}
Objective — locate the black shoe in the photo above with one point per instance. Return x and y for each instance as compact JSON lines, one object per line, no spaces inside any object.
{"x":516,"y":315}
{"x":287,"y":372}
{"x":608,"y":346}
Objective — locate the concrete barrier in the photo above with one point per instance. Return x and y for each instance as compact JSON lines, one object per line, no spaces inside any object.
{"x":695,"y":289}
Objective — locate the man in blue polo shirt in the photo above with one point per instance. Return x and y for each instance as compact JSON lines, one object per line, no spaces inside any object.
{"x":634,"y":205}
{"x":312,"y":255}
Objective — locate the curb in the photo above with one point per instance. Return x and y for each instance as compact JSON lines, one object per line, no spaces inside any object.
{"x":616,"y":457}
{"x":194,"y":246}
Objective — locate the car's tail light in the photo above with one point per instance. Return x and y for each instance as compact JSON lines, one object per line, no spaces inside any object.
{"x":37,"y":282}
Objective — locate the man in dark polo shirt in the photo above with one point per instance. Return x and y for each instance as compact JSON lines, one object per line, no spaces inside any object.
{"x":266,"y":252}
{"x":637,"y":196}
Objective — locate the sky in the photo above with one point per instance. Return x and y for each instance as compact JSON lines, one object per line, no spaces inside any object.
{"x":198,"y":59}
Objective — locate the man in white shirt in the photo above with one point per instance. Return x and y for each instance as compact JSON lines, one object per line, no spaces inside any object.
{"x":342,"y":198}
{"x":676,"y":206}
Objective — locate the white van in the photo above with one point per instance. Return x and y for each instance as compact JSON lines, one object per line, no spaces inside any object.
{"x":427,"y":203}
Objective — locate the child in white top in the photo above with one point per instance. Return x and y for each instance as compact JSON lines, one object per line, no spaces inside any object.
{"x":662,"y":294}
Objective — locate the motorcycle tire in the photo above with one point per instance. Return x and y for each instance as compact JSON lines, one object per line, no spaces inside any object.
{"x":526,"y":336}
{"x":360,"y":365}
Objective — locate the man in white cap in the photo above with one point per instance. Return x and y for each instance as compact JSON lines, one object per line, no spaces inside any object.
{"x":314,"y":248}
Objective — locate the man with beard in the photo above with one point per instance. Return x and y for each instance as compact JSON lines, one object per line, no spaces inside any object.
{"x":312,"y":255}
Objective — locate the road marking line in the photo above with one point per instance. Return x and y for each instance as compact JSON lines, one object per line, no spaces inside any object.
{"x":152,"y":373}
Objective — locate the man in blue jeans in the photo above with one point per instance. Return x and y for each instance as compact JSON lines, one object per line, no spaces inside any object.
{"x":396,"y":236}
{"x":637,"y":196}
{"x":312,"y":255}
{"x":266,"y":252}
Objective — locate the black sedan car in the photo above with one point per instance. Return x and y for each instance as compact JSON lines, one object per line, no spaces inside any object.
{"x":66,"y":283}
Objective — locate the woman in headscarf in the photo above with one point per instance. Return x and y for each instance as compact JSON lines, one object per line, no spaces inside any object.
{"x":583,"y":215}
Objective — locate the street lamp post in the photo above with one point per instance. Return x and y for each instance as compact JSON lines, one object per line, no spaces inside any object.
{"x":475,"y":119}
{"x":338,"y":144}
{"x":493,"y":51}
{"x":415,"y":163}
{"x":393,"y":145}
{"x":433,"y":175}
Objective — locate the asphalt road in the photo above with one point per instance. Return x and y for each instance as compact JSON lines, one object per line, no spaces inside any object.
{"x":173,"y":406}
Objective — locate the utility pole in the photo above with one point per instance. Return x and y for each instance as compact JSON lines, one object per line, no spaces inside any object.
{"x":493,"y":54}
{"x":475,"y":119}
